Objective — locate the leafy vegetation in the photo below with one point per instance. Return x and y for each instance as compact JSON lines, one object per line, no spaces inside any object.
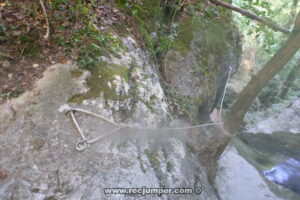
{"x":75,"y":29}
{"x":157,"y":22}
{"x":90,"y":55}
{"x":74,"y":34}
{"x":266,"y":42}
{"x":92,"y":43}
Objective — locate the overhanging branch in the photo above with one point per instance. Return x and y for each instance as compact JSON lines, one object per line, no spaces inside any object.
{"x":235,"y":117}
{"x":251,"y":15}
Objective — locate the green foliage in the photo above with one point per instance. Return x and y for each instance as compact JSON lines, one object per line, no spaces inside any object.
{"x":91,"y":42}
{"x":29,"y":45}
{"x":14,"y":94}
{"x":6,"y":95}
{"x":211,"y":12}
{"x":152,"y":17}
{"x":267,"y":39}
{"x":267,"y":42}
{"x":158,"y":25}
{"x":91,"y":54}
{"x":165,"y":39}
{"x":74,"y":9}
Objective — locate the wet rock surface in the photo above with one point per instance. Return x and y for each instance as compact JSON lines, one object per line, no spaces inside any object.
{"x":238,"y":179}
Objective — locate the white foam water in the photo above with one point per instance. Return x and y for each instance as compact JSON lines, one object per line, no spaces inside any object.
{"x":286,"y":174}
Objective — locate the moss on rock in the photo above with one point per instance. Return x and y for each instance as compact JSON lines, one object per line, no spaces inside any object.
{"x":185,"y":36}
{"x":76,"y":73}
{"x":102,"y":81}
{"x":153,"y":158}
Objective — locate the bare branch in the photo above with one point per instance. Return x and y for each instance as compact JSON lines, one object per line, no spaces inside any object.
{"x":47,"y":21}
{"x":251,"y":15}
{"x":5,"y":55}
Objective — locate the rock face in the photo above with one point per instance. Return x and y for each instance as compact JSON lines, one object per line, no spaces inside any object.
{"x":38,"y":159}
{"x":199,"y":66}
{"x":288,"y":121}
{"x":38,"y":153}
{"x":237,"y":178}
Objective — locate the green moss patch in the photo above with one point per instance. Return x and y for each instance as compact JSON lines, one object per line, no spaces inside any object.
{"x":101,"y":80}
{"x":153,"y":158}
{"x":170,"y":167}
{"x":76,"y":73}
{"x":122,"y":29}
{"x":212,"y":32}
{"x":185,"y":35}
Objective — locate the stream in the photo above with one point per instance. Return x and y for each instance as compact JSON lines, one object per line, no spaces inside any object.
{"x":276,"y":155}
{"x":286,"y":174}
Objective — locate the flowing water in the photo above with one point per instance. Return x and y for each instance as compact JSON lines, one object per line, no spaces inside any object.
{"x":286,"y":174}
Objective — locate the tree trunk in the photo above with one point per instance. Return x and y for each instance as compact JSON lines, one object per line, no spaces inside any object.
{"x":292,"y":75}
{"x":289,"y":80}
{"x":292,"y":14}
{"x":236,"y":114}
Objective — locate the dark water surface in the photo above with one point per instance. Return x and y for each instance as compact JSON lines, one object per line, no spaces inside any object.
{"x":286,"y":174}
{"x":276,"y":155}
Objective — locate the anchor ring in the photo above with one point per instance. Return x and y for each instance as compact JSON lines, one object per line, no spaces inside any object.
{"x":81,"y":145}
